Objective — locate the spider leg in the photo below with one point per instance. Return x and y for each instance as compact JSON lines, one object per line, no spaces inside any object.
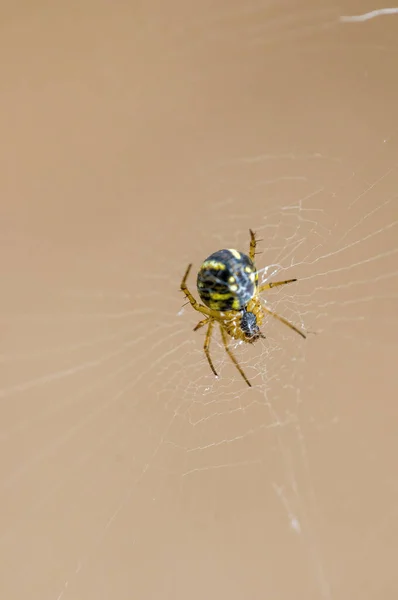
{"x":252,"y":245}
{"x":272,"y":284}
{"x":285,"y":321}
{"x":201,"y":323}
{"x":207,"y":344}
{"x":231,"y":356}
{"x":190,"y":297}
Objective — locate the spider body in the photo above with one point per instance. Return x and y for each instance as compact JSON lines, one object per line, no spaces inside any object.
{"x":227,"y":284}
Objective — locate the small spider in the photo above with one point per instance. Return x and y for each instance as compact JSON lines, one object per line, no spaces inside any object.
{"x":227,"y":283}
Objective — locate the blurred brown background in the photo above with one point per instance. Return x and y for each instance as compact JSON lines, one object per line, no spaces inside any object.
{"x":138,"y":137}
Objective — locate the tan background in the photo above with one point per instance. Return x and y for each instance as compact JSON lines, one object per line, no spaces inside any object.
{"x":137,"y":137}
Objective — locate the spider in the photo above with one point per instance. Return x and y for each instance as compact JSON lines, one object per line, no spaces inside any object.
{"x":227,"y":284}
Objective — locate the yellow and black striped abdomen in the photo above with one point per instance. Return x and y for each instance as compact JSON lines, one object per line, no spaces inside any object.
{"x":227,"y":280}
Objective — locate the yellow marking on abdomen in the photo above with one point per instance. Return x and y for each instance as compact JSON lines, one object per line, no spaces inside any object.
{"x":213,"y":264}
{"x":217,"y":296}
{"x":235,"y":253}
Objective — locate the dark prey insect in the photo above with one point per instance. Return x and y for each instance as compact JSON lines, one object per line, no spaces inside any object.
{"x":227,"y":284}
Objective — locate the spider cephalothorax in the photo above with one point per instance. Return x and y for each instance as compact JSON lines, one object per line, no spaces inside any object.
{"x":249,"y":326}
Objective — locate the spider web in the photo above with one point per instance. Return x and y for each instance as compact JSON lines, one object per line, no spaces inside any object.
{"x":116,"y":434}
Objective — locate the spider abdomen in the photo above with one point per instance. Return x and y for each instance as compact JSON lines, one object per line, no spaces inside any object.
{"x":227,"y":280}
